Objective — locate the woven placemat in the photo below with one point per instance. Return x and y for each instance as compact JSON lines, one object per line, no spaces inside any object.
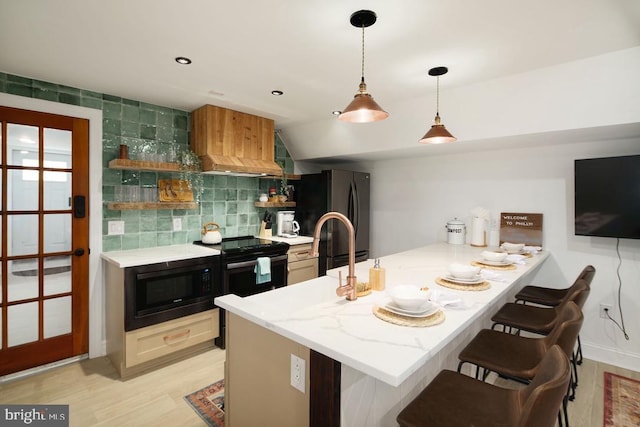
{"x":493,"y":267}
{"x":483,"y":286}
{"x":398,"y":319}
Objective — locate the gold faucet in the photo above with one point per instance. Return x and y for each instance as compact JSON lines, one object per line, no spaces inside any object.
{"x":350,"y":288}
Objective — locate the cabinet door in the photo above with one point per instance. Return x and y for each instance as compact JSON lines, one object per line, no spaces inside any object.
{"x":303,"y":270}
{"x":152,"y":342}
{"x":299,"y":252}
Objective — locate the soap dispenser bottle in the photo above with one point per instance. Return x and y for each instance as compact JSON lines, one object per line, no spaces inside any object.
{"x":376,"y":276}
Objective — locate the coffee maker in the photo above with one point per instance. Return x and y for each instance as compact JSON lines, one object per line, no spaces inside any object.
{"x":286,"y":224}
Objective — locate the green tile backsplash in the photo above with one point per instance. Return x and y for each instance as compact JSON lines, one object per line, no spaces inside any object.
{"x":226,"y":200}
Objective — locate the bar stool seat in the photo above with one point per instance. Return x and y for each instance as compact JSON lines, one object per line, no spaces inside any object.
{"x":516,"y":356}
{"x":536,"y":319}
{"x":457,"y":400}
{"x":551,"y":296}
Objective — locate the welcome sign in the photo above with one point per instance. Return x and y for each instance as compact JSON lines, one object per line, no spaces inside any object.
{"x":521,"y":228}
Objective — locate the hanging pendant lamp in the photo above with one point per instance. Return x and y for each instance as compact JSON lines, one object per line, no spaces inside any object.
{"x":363,"y":109}
{"x":438,"y":134}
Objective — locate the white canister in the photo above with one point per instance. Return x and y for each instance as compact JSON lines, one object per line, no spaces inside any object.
{"x":456,"y":230}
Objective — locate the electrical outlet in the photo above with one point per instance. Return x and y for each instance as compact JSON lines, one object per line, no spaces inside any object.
{"x":297,"y":373}
{"x":115,"y":228}
{"x":604,"y":308}
{"x":177,"y":224}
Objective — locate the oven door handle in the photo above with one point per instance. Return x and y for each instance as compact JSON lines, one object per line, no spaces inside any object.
{"x":251,"y":263}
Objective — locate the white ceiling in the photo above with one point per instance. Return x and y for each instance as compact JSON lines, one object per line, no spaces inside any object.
{"x":241,"y":50}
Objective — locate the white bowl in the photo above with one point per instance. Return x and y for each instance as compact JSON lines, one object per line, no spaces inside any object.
{"x":408,"y":297}
{"x":512,"y":247}
{"x":494,"y":256}
{"x":463,"y":271}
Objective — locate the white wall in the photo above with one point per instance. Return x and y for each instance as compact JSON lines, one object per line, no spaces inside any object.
{"x":412,"y":199}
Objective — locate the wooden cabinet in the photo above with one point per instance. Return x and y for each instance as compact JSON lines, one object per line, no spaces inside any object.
{"x":231,"y":141}
{"x":258,"y":377}
{"x":150,"y":343}
{"x":146,"y":348}
{"x":302,"y":266}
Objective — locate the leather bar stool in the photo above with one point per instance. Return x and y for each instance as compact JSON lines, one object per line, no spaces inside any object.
{"x":541,"y":320}
{"x":553,"y":297}
{"x":550,"y":296}
{"x":457,"y":400}
{"x":517,"y":357}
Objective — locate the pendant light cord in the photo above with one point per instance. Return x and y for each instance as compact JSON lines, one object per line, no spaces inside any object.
{"x":362,"y":70}
{"x":437,"y":95}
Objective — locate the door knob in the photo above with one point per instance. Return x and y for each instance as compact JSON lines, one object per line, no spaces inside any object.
{"x":78,"y":252}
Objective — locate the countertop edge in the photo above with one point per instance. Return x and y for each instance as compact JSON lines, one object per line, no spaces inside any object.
{"x":299,"y":240}
{"x":145,"y":256}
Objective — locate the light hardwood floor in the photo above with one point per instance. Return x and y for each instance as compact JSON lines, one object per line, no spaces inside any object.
{"x":97,"y":397}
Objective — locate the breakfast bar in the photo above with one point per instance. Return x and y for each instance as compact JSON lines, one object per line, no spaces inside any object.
{"x":369,"y":368}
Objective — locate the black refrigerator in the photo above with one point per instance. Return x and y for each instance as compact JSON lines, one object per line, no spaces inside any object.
{"x":341,"y":191}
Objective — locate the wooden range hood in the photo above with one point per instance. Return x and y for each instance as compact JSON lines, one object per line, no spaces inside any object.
{"x":234,"y":143}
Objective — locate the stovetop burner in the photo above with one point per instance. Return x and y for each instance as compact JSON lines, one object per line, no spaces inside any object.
{"x":248,"y":246}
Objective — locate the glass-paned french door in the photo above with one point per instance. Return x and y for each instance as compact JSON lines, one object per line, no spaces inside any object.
{"x":45,"y":238}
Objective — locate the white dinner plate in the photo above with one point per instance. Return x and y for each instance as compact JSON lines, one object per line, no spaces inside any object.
{"x":428,"y":310}
{"x":495,"y":263}
{"x":476,"y":280}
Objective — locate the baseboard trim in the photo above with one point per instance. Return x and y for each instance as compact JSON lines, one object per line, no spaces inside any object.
{"x":611,"y":356}
{"x":42,"y":368}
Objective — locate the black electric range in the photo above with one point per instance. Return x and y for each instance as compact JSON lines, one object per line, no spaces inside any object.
{"x":239,"y":256}
{"x":247,"y":247}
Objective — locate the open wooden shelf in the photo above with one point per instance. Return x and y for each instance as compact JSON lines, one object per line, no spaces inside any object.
{"x":123,"y":206}
{"x":275,"y":204}
{"x":143,"y":165}
{"x":290,"y":177}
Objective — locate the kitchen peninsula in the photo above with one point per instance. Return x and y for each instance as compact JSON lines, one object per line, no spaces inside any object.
{"x":357,"y":370}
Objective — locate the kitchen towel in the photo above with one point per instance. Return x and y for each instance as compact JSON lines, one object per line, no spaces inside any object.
{"x":263,"y":270}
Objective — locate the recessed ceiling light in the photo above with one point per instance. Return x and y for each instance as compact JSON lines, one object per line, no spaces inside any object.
{"x":183,"y":60}
{"x":336,"y":113}
{"x":277,"y":92}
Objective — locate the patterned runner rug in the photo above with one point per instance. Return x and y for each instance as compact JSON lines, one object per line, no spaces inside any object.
{"x":208,"y":402}
{"x":621,"y":401}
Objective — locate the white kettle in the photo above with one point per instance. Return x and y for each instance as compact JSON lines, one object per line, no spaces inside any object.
{"x":210,"y":234}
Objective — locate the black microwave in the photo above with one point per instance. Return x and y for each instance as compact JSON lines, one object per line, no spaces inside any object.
{"x":164,"y":291}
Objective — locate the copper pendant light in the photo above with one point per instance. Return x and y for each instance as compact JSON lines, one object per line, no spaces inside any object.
{"x":363,"y":109}
{"x":438,"y":134}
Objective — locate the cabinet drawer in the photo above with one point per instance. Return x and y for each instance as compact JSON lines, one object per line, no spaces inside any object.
{"x":145,"y":344}
{"x":300,"y":271}
{"x":299,"y":252}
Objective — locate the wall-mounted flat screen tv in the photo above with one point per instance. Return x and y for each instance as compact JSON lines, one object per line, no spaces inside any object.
{"x":607,"y":197}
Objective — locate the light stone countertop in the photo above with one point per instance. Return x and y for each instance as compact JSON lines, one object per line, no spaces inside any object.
{"x":311,"y":314}
{"x":144,"y":256}
{"x":299,"y":240}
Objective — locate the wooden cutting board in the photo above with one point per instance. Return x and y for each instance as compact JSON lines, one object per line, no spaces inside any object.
{"x":174,"y":190}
